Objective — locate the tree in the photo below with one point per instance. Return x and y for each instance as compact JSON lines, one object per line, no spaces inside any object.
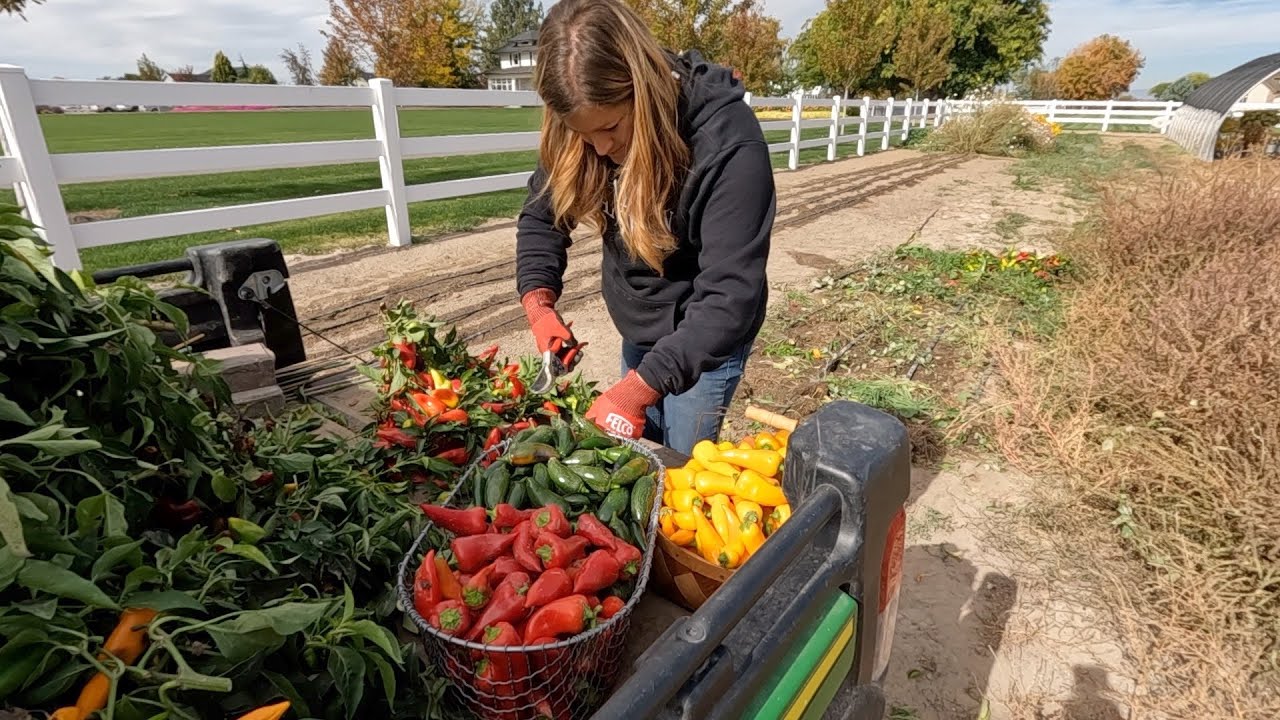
{"x":1037,"y":81}
{"x":183,"y":73}
{"x":410,"y":42}
{"x":299,"y":65}
{"x":260,"y":75}
{"x":222,"y":72}
{"x":1179,"y":90}
{"x":994,"y":39}
{"x":753,"y":47}
{"x":149,"y":70}
{"x":922,"y":55}
{"x":507,"y":18}
{"x":15,"y":7}
{"x":1100,"y":69}
{"x":339,"y":66}
{"x":848,"y":39}
{"x":683,"y":25}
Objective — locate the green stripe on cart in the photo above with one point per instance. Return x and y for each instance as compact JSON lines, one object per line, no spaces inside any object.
{"x":814,"y":668}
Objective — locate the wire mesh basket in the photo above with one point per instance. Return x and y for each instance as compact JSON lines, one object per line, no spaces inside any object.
{"x":568,"y":679}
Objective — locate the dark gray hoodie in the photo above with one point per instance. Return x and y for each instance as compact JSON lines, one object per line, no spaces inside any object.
{"x":710,"y":300}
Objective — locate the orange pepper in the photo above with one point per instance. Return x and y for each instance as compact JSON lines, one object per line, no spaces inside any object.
{"x":766,"y":441}
{"x":783,"y":436}
{"x":125,"y":643}
{"x":683,"y":538}
{"x":267,"y":712}
{"x":446,"y":395}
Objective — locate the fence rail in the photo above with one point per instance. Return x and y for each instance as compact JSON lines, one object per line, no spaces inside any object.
{"x":1106,"y":114}
{"x":37,"y":175}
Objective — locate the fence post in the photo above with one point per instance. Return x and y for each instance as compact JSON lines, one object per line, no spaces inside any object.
{"x":864,"y":115}
{"x":39,"y":189}
{"x":924,"y":114}
{"x":906,"y":120}
{"x":938,"y":116}
{"x":1106,"y":115}
{"x":1053,"y":110}
{"x":746,"y":98}
{"x":386,"y":130}
{"x":797,"y":115}
{"x":837,"y":110}
{"x":1167,"y":117}
{"x":888,"y":125}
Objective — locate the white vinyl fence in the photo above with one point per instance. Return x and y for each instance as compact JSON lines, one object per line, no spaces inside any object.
{"x":37,"y":175}
{"x":1106,"y":115}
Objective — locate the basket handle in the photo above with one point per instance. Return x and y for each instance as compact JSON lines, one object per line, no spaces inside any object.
{"x":772,"y":419}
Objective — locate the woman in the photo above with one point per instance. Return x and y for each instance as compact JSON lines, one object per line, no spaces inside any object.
{"x":660,"y":154}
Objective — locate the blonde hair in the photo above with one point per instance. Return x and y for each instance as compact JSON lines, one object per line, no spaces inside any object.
{"x":594,"y":53}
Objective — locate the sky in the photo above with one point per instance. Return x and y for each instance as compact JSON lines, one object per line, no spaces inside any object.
{"x":94,"y":38}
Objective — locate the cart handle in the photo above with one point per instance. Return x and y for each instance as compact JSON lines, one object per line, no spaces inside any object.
{"x":772,"y":419}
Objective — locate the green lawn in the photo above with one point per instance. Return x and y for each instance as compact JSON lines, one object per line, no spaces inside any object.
{"x":132,"y":131}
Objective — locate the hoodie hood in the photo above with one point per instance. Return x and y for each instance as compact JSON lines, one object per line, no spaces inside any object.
{"x":705,"y":89}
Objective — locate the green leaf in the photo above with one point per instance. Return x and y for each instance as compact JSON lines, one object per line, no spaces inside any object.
{"x":140,"y":576}
{"x":250,"y":552}
{"x":346,"y":667}
{"x":190,"y":544}
{"x":249,"y":633}
{"x":223,"y":486}
{"x":42,"y":576}
{"x":11,"y":523}
{"x":378,"y":635}
{"x":348,"y":603}
{"x":388,"y":675}
{"x":246,"y":531}
{"x":116,"y":525}
{"x":164,"y":600}
{"x":293,"y":463}
{"x":43,"y":609}
{"x":49,"y":507}
{"x":11,"y":411}
{"x":10,"y":565}
{"x":287,"y":689}
{"x":108,"y":561}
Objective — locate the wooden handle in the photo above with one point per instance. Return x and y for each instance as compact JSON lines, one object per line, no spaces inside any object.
{"x":772,"y":419}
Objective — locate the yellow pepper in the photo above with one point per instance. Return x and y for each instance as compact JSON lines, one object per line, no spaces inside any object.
{"x":765,"y":462}
{"x":680,"y":478}
{"x":779,"y":516}
{"x":694,"y":466}
{"x":723,"y":468}
{"x":727,"y":525}
{"x":709,"y":543}
{"x":712,"y":483}
{"x":706,"y":452}
{"x":725,"y":445}
{"x":666,"y":521}
{"x":765,"y":441}
{"x":439,"y":380}
{"x":752,"y":486}
{"x":732,"y":555}
{"x":783,"y":452}
{"x":686,"y":520}
{"x":783,"y":436}
{"x":745,"y":445}
{"x":752,"y":536}
{"x":683,"y":500}
{"x":683,"y":538}
{"x":749,"y":441}
{"x":746,"y":509}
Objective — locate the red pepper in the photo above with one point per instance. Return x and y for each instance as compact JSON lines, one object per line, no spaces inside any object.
{"x":612,"y":606}
{"x":628,"y":557}
{"x":551,"y":519}
{"x":178,"y":514}
{"x":456,"y":415}
{"x":391,"y":435}
{"x":505,"y":566}
{"x":566,"y":616}
{"x":496,"y":408}
{"x":426,"y":381}
{"x":522,"y":548}
{"x":556,"y":552}
{"x":478,"y":589}
{"x":590,"y":527}
{"x":450,"y":617}
{"x":450,"y":587}
{"x":551,"y":408}
{"x":493,"y":438}
{"x":551,"y":585}
{"x":488,"y":355}
{"x":593,"y":602}
{"x":472,"y":521}
{"x":600,"y":571}
{"x":475,"y":551}
{"x":456,"y":456}
{"x":520,"y":580}
{"x":506,"y":606}
{"x":575,"y":569}
{"x":512,"y":666}
{"x":408,"y":353}
{"x":430,"y":406}
{"x":266,"y":477}
{"x":507,"y":516}
{"x":426,"y":586}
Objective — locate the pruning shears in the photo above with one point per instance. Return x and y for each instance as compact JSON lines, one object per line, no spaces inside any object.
{"x":556,"y":363}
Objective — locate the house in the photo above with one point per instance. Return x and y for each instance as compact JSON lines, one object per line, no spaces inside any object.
{"x":1267,"y":91}
{"x":515,"y":63}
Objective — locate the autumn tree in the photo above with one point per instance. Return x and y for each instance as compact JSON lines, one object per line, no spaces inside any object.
{"x":298,"y":63}
{"x":507,"y":18}
{"x":848,"y":38}
{"x":1100,"y":69}
{"x":1179,"y":90}
{"x":339,"y":67}
{"x":183,"y":73}
{"x":1037,"y":81}
{"x":222,"y":71}
{"x":754,"y":47}
{"x":260,"y":75}
{"x":922,"y":54}
{"x":15,"y":7}
{"x":410,"y":42}
{"x":994,"y":39}
{"x":683,"y":25}
{"x":149,"y":70}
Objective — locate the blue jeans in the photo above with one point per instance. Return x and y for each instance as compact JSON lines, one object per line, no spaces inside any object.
{"x":680,"y":421}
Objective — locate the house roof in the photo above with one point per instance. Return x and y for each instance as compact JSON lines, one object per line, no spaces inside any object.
{"x":1220,"y":93}
{"x":521,"y":71}
{"x":526,"y":40}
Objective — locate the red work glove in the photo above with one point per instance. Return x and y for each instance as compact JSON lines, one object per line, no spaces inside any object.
{"x":620,"y":409}
{"x":549,"y":330}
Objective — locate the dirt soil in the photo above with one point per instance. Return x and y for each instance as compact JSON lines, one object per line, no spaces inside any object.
{"x":980,"y":634}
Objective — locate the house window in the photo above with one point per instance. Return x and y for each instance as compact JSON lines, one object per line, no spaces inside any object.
{"x":501,"y":84}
